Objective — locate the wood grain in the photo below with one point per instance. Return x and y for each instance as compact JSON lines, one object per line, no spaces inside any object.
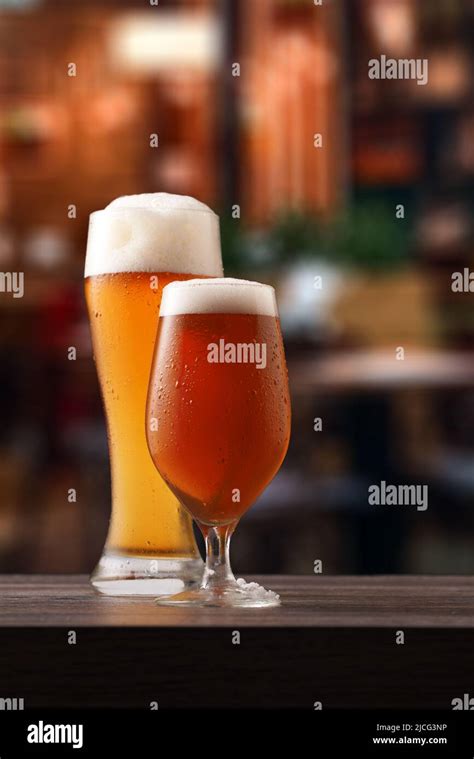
{"x":307,"y":601}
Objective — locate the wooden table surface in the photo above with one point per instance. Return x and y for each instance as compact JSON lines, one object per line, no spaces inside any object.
{"x":307,"y":601}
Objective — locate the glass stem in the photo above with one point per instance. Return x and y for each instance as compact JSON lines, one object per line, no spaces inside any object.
{"x":217,"y":572}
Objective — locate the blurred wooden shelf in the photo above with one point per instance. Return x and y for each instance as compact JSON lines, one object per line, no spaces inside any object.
{"x":308,"y":601}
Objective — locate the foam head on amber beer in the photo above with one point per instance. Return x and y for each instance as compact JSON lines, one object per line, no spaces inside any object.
{"x":223,"y":423}
{"x":154,"y":232}
{"x":218,"y":296}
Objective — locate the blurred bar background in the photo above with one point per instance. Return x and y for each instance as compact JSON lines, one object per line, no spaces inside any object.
{"x":291,"y":210}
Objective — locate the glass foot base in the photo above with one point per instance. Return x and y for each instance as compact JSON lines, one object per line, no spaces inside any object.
{"x":124,"y":575}
{"x":237,"y":594}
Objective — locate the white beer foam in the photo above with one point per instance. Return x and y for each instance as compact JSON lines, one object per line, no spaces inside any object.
{"x":218,"y":296}
{"x":154,"y":232}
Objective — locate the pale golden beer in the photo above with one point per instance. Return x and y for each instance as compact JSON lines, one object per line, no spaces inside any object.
{"x":146,"y":518}
{"x":136,"y":247}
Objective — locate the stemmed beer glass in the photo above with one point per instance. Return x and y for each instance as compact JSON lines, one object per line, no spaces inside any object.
{"x":218,"y":417}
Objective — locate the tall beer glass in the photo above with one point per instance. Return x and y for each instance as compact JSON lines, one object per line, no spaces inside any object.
{"x":136,"y":246}
{"x":218,"y":416}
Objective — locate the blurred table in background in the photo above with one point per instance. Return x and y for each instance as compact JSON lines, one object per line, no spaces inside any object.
{"x":380,"y":370}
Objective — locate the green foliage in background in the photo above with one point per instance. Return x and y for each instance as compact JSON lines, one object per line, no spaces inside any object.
{"x":366,"y":236}
{"x":369,"y":236}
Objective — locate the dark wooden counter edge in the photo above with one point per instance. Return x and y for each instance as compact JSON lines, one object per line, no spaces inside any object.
{"x":398,"y":601}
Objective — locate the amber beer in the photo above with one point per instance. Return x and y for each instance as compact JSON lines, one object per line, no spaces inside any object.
{"x":137,"y":245}
{"x":219,"y":366}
